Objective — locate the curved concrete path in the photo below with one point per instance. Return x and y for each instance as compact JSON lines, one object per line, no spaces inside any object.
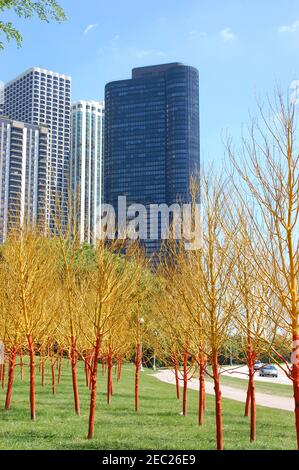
{"x":262,"y":399}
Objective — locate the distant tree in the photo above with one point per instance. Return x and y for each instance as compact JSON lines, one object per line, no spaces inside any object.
{"x":45,"y":10}
{"x":268,"y":169}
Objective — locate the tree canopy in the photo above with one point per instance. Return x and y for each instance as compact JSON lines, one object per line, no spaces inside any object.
{"x":45,"y":10}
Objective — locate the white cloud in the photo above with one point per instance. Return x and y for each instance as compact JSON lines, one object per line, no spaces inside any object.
{"x":289,"y":28}
{"x":227,"y":35}
{"x":90,"y":27}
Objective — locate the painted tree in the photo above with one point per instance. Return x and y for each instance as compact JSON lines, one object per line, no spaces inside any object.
{"x":251,"y":321}
{"x":268,"y":168}
{"x":160,"y":333}
{"x":29,"y":271}
{"x":141,"y":314}
{"x":10,"y":330}
{"x":110,"y":284}
{"x":181,"y":320}
{"x":70,"y":254}
{"x":218,"y":298}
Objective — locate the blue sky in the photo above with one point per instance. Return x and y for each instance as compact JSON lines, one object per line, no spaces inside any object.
{"x":242,"y":48}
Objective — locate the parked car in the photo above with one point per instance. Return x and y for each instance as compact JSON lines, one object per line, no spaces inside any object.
{"x":268,"y":371}
{"x":258,"y":365}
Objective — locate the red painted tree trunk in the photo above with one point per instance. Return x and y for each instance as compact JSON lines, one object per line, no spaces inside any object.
{"x":21,"y":364}
{"x":202,"y":392}
{"x":86,"y":369}
{"x":176,"y":373}
{"x":93,"y":394}
{"x":109,"y":379}
{"x":247,"y":405}
{"x":3,"y":371}
{"x":185,"y":383}
{"x":137,"y":370}
{"x":295,"y":377}
{"x":43,"y":373}
{"x":12,"y":365}
{"x":218,"y":402}
{"x":252,"y":398}
{"x":119,"y":369}
{"x":59,"y":367}
{"x":53,"y":377}
{"x":90,"y":361}
{"x":74,"y":361}
{"x":32,"y":376}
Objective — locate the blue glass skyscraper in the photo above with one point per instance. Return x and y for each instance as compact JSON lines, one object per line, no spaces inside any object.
{"x":152,"y":137}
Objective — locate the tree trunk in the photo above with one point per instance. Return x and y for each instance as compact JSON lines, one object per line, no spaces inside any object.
{"x":295,"y":377}
{"x":176,"y":373}
{"x":202,"y":392}
{"x":3,"y":372}
{"x":52,"y":364}
{"x":93,"y":394}
{"x":247,"y":405}
{"x":185,"y":383}
{"x":109,"y":378}
{"x":86,"y":369}
{"x":43,"y":372}
{"x":119,"y":369}
{"x":21,"y":364}
{"x":74,"y":361}
{"x":32,"y":376}
{"x":12,"y":365}
{"x":59,"y":367}
{"x":252,"y":398}
{"x":53,"y":377}
{"x":137,"y":369}
{"x":90,"y":360}
{"x":218,"y":402}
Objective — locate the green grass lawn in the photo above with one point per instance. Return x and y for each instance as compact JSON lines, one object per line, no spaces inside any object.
{"x":159,"y":424}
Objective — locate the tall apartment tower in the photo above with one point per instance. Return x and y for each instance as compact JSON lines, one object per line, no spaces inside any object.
{"x":23,"y":175}
{"x":1,"y":98}
{"x":86,"y":167}
{"x":41,"y":97}
{"x":152,"y":137}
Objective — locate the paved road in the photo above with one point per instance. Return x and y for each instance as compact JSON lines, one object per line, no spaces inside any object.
{"x":241,"y":373}
{"x":262,"y":399}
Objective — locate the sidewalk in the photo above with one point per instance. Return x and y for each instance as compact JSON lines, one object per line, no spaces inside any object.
{"x":262,"y":399}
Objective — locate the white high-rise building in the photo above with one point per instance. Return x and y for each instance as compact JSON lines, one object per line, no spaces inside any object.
{"x":23,"y":175}
{"x":41,"y":97}
{"x":1,"y":97}
{"x":86,"y":167}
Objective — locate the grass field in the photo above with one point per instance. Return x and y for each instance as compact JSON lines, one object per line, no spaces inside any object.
{"x":159,"y":424}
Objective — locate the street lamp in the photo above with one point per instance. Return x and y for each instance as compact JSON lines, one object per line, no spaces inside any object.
{"x":141,"y":323}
